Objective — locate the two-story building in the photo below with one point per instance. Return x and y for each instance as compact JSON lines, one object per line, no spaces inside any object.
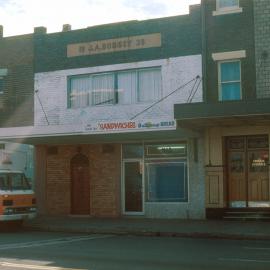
{"x":104,"y":132}
{"x":235,"y":113}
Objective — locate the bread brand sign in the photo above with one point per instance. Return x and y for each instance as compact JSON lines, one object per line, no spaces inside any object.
{"x":130,"y":126}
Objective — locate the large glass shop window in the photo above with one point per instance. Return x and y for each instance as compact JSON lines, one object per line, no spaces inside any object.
{"x":166,"y":172}
{"x":166,"y":181}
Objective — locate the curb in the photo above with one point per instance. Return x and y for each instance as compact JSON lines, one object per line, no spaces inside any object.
{"x":196,"y":235}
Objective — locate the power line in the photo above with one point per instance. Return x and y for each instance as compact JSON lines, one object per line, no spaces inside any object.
{"x":36,"y":92}
{"x":182,"y":86}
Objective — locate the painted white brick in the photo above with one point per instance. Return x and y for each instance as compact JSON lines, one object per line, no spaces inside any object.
{"x":51,"y":88}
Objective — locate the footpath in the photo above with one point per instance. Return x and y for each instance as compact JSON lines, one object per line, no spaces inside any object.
{"x":246,"y":230}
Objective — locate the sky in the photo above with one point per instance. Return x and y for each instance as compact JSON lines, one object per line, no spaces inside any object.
{"x":21,"y":16}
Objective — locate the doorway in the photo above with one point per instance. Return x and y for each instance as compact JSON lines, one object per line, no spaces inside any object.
{"x":133,"y":187}
{"x":80,"y":185}
{"x":247,"y":171}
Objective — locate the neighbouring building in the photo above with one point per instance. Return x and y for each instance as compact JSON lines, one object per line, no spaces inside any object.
{"x":16,"y":99}
{"x":235,"y":113}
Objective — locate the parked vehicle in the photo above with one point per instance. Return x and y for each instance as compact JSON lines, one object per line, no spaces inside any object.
{"x":17,"y":199}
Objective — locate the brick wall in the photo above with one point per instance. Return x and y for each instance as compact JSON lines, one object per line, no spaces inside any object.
{"x":105,"y":175}
{"x":17,"y":55}
{"x":262,"y":46}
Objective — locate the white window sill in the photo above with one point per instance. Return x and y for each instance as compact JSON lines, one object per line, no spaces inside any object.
{"x":227,"y":11}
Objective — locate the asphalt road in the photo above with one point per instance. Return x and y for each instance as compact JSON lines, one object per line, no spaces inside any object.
{"x":59,"y":251}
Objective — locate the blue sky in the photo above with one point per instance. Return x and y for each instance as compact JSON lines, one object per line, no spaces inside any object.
{"x":21,"y":16}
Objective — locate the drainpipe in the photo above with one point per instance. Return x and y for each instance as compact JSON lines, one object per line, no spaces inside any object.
{"x":203,"y":40}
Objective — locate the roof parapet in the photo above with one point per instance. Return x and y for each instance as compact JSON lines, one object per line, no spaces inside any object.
{"x":40,"y":30}
{"x":66,"y":28}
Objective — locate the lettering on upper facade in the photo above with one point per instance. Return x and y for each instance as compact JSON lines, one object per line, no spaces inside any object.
{"x":114,"y":45}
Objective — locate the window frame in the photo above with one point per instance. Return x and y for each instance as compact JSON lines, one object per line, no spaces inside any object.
{"x":134,"y":95}
{"x":227,"y":10}
{"x":218,"y":8}
{"x":2,"y":85}
{"x":220,"y":82}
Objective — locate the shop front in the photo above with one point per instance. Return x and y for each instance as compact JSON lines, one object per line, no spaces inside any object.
{"x":154,"y":174}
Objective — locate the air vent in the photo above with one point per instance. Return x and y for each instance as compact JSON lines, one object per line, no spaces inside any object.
{"x":107,"y":148}
{"x":52,"y":150}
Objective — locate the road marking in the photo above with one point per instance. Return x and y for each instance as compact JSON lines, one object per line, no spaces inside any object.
{"x":243,"y":260}
{"x":32,"y":266}
{"x":257,"y":248}
{"x":55,"y":241}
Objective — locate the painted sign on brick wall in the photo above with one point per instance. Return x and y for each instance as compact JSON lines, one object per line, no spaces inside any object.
{"x":114,"y":45}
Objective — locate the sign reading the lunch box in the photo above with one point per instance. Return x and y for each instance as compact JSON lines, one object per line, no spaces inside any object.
{"x":130,"y":126}
{"x":114,"y":45}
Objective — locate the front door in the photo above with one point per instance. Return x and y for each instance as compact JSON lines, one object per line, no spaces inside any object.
{"x":133,"y":187}
{"x":80,"y":185}
{"x":247,"y":171}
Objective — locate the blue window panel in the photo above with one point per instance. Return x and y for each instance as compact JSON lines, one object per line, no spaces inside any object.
{"x":228,"y":3}
{"x":167,"y":182}
{"x":230,"y":71}
{"x":231,"y":91}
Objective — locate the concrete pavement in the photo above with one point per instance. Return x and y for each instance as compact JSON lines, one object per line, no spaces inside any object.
{"x":252,"y":230}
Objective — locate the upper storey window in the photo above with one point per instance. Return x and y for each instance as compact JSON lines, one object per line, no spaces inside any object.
{"x":3,"y":74}
{"x":121,"y":87}
{"x":230,"y":80}
{"x":227,"y":7}
{"x":229,"y":74}
{"x":1,"y":85}
{"x":222,"y":4}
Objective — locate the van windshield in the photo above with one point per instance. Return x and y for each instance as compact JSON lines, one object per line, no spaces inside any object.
{"x":13,"y":181}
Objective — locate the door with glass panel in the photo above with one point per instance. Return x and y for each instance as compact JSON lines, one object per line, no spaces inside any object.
{"x":132,"y":179}
{"x":258,"y":172}
{"x":133,"y":187}
{"x":247,"y":171}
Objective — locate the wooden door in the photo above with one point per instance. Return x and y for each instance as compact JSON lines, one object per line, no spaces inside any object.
{"x":247,"y":170}
{"x":80,"y":185}
{"x":237,"y":180}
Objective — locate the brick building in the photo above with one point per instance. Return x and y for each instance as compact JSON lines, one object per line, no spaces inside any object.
{"x":104,"y":130}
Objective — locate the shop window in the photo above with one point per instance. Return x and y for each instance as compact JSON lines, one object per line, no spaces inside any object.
{"x":166,"y":181}
{"x":230,"y":80}
{"x":123,"y":87}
